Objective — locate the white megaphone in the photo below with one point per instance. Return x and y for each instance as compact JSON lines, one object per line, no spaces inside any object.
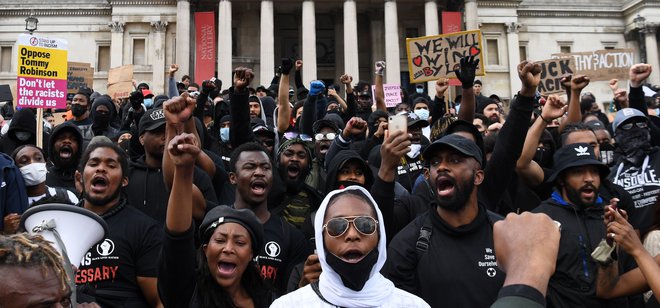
{"x":76,"y":228}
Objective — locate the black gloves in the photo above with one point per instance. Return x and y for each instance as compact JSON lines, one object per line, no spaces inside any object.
{"x":287,"y":65}
{"x":467,"y":71}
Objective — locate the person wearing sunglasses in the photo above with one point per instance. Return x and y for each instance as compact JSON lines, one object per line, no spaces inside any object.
{"x":350,"y":242}
{"x":325,"y":132}
{"x":637,"y":167}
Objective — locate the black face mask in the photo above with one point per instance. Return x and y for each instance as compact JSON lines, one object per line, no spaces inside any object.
{"x":606,"y":153}
{"x":543,"y":157}
{"x":78,"y":110}
{"x":353,"y":275}
{"x":635,"y":144}
{"x":102,"y":120}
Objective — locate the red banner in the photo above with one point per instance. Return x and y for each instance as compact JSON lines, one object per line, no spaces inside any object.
{"x":204,"y":46}
{"x":451,"y":22}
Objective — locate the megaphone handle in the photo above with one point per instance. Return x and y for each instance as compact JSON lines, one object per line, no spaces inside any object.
{"x":68,"y":268}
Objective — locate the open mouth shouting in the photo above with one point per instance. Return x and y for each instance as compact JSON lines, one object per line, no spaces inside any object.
{"x":226,"y":269}
{"x":445,"y":186}
{"x":258,"y":187}
{"x":66,"y":152}
{"x":324,"y":147}
{"x":588,"y":192}
{"x":99,"y":184}
{"x":352,"y":256}
{"x":293,"y":170}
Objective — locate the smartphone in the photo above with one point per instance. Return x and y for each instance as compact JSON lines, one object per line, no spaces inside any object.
{"x":398,"y":122}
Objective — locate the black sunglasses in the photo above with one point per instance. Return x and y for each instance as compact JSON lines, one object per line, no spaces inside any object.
{"x":339,"y":225}
{"x":628,"y":126}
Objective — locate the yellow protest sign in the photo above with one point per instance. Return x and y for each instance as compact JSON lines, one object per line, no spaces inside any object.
{"x":42,"y":72}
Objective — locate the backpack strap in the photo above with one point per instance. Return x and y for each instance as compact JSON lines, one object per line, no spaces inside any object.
{"x":424,"y":237}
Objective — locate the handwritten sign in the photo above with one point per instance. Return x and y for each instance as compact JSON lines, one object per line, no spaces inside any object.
{"x":79,"y":75}
{"x":120,"y":81}
{"x":602,"y":65}
{"x":392,"y":94}
{"x":42,"y":69}
{"x":432,"y":57}
{"x":551,"y":71}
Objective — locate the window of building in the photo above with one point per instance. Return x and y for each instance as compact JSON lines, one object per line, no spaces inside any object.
{"x":103,"y":58}
{"x":493,"y":52}
{"x":139,"y":51}
{"x":609,"y":47}
{"x":565,"y":46}
{"x":5,"y":58}
{"x":523,"y":52}
{"x":565,"y":49}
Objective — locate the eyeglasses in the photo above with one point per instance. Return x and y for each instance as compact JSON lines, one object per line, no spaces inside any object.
{"x":628,"y":126}
{"x":294,"y":135}
{"x":339,"y":225}
{"x":328,"y":136}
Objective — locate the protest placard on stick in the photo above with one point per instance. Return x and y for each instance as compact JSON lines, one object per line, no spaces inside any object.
{"x":432,"y":57}
{"x":42,"y":67}
{"x":79,"y":75}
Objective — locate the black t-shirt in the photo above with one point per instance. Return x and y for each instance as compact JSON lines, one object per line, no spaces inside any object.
{"x":457,"y":270}
{"x":284,"y":247}
{"x":131,"y":249}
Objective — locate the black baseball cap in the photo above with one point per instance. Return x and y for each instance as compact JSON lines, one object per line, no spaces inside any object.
{"x":152,"y":119}
{"x":223,"y":214}
{"x":575,"y":155}
{"x":461,"y":144}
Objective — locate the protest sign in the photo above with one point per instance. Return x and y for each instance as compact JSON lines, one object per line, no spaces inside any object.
{"x":432,"y":57}
{"x":602,"y":65}
{"x":42,"y":69}
{"x":120,"y":81}
{"x":79,"y":75}
{"x":551,"y":72}
{"x":392,"y":94}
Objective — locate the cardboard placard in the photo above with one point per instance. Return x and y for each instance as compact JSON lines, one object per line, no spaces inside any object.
{"x":79,"y":75}
{"x":120,"y":81}
{"x":392,"y":94}
{"x":42,"y":67}
{"x":60,"y":117}
{"x":551,"y":72}
{"x":602,"y":65}
{"x":432,"y":57}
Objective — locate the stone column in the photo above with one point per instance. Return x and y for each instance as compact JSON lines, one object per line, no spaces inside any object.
{"x":652,"y":51}
{"x":183,"y":45}
{"x":351,"y":58}
{"x":117,"y":43}
{"x":432,"y":28}
{"x":158,"y":65}
{"x":225,"y":43}
{"x":393,"y":71}
{"x":514,"y":56}
{"x":471,"y":15}
{"x":308,"y":42}
{"x":267,"y":51}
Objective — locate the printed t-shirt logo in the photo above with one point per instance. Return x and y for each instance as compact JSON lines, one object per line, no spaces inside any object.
{"x":106,"y":248}
{"x":272,"y":249}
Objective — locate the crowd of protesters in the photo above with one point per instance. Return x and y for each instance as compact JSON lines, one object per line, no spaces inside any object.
{"x":225,"y":195}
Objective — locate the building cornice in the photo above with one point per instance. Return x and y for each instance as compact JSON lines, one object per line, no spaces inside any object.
{"x":499,"y":4}
{"x":57,"y":12}
{"x":635,"y":6}
{"x":142,"y":2}
{"x":565,"y":13}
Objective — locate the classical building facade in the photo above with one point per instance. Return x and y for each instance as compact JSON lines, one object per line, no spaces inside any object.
{"x":331,"y":36}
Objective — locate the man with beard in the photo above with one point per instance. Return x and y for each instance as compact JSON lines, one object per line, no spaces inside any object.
{"x":65,"y":151}
{"x":121,"y":270}
{"x":489,"y":108}
{"x":147,"y":191}
{"x":252,"y":174}
{"x":461,"y":229}
{"x":298,"y":199}
{"x":575,"y":204}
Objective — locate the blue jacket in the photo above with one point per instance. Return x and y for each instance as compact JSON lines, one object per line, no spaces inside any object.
{"x":13,"y":196}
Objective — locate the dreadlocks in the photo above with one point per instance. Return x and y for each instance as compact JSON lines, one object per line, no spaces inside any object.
{"x":27,"y":250}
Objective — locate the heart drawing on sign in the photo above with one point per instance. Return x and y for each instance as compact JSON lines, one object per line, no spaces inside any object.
{"x":474,"y":50}
{"x":417,"y":61}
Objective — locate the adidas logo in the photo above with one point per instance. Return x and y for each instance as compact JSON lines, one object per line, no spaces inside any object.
{"x":582,"y":151}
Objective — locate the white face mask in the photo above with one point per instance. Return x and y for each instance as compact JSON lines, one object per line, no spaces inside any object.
{"x":34,"y":174}
{"x":423,"y":114}
{"x":415,"y":150}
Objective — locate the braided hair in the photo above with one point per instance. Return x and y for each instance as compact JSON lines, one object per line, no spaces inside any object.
{"x":27,"y":250}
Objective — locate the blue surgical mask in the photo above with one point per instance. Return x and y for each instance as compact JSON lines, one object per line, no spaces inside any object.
{"x":148,"y":102}
{"x":423,"y":114}
{"x":419,"y":90}
{"x":224,"y":134}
